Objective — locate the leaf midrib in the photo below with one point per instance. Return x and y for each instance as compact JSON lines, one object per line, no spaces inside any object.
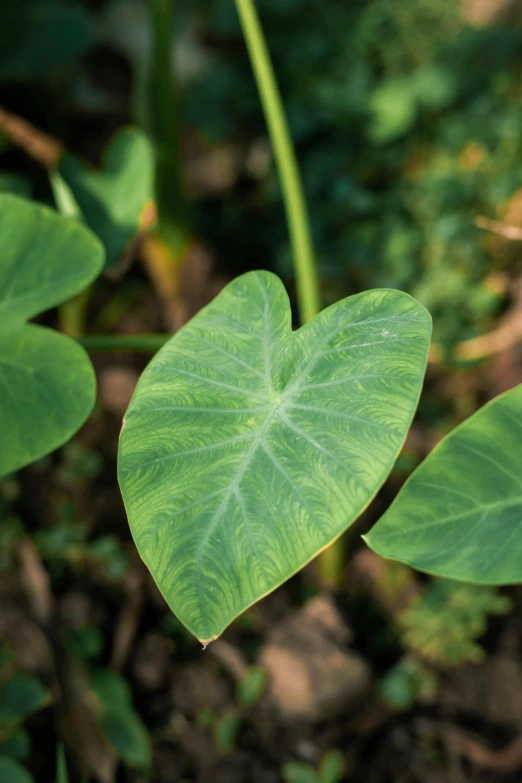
{"x":232,"y":488}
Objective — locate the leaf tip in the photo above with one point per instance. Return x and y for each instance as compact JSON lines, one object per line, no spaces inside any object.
{"x":205,"y":642}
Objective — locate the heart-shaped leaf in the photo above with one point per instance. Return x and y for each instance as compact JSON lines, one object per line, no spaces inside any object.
{"x":459,"y":514}
{"x":47,"y":384}
{"x":247,"y":448}
{"x":112,"y":199}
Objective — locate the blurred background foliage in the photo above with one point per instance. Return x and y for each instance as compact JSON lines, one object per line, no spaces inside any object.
{"x":406,"y":122}
{"x":406,"y":119}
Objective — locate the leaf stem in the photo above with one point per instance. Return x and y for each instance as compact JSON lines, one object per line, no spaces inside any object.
{"x":140,"y":343}
{"x":170,"y":198}
{"x":295,"y":204}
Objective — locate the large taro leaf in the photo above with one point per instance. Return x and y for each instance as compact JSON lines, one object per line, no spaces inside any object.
{"x":247,"y":448}
{"x":47,"y":384}
{"x":112,"y":200}
{"x":459,"y":515}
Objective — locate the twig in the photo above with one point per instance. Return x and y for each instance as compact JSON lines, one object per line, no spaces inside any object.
{"x":513,"y":233}
{"x":128,"y":619}
{"x":36,"y":583}
{"x":508,"y":759}
{"x":43,"y":148}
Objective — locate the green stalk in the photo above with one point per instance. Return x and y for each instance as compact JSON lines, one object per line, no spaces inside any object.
{"x":331,"y":562}
{"x":140,"y":343}
{"x":170,"y":198}
{"x":295,"y":204}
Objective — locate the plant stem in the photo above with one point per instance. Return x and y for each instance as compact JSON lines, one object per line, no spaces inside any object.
{"x":170,"y":199}
{"x":295,"y":205}
{"x":140,"y":343}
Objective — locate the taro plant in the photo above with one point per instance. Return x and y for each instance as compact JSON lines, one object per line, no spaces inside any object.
{"x":111,"y":201}
{"x":459,"y":515}
{"x":47,"y":383}
{"x":248,"y":448}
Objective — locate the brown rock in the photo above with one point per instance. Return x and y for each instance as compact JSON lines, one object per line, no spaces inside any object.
{"x":493,"y":689}
{"x":312,"y":673}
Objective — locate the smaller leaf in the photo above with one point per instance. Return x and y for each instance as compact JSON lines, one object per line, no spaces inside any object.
{"x":20,"y":696}
{"x":47,"y":383}
{"x":45,"y":259}
{"x":206,"y":716}
{"x":17,"y":745}
{"x":85,"y":642}
{"x":459,"y":515}
{"x":13,"y":772}
{"x":225,"y":732}
{"x":394,"y":109}
{"x":129,"y":738}
{"x":406,"y":682}
{"x":121,"y":725}
{"x":112,"y":199}
{"x":251,"y":687}
{"x":298,"y":772}
{"x":111,"y":689}
{"x":331,"y":767}
{"x":444,"y":624}
{"x":48,"y":390}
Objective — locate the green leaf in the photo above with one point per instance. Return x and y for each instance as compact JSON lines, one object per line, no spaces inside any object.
{"x":408,"y":681}
{"x":331,"y":767}
{"x":298,"y":772}
{"x":13,"y":772}
{"x":111,"y":689}
{"x":251,"y":686}
{"x":39,"y":36}
{"x":121,"y":725}
{"x":44,"y":259}
{"x":459,"y":515}
{"x":394,"y":109}
{"x":247,"y":448}
{"x":20,"y":696}
{"x":61,"y":766}
{"x":225,"y":731}
{"x":129,"y":738}
{"x":17,"y":745}
{"x":442,"y":625}
{"x":111,"y":200}
{"x":47,"y":384}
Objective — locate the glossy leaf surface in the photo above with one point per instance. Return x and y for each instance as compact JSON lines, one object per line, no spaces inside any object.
{"x":247,"y":448}
{"x":112,"y":199}
{"x":459,"y":514}
{"x":47,"y":384}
